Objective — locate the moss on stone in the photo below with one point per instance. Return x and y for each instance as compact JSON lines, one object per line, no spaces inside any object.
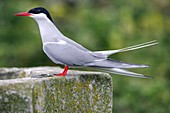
{"x":84,"y":92}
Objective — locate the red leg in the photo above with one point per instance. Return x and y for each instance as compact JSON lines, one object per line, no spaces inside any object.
{"x":64,"y":73}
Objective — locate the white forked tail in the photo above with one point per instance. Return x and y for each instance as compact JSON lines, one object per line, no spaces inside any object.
{"x":130,"y":48}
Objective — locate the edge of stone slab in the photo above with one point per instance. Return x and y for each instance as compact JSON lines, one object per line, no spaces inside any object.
{"x":33,"y":71}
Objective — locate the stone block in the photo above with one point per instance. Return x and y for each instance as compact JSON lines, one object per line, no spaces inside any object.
{"x":28,"y":90}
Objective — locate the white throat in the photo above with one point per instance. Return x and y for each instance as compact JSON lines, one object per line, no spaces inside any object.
{"x":48,"y":31}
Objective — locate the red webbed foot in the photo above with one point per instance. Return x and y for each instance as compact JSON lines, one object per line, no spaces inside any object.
{"x":64,"y":73}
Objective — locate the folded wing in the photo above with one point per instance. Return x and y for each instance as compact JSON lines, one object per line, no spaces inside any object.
{"x":67,"y":54}
{"x":122,"y":72}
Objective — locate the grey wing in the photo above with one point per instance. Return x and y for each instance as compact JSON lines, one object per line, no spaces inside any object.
{"x":68,"y":40}
{"x":67,"y":54}
{"x":110,"y":63}
{"x":122,"y":72}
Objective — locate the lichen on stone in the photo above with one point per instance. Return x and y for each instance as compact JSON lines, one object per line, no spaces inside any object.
{"x":85,"y":92}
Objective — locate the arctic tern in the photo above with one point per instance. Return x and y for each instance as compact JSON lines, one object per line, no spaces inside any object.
{"x":62,"y":50}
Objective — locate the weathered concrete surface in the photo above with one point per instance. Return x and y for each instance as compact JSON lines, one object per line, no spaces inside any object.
{"x":78,"y":92}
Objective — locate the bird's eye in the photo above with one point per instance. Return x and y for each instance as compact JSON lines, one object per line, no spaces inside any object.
{"x":37,"y":11}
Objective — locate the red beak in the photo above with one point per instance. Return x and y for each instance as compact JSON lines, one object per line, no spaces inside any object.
{"x":23,"y":14}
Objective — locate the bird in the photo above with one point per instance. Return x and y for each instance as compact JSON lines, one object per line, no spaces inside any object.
{"x":62,"y":50}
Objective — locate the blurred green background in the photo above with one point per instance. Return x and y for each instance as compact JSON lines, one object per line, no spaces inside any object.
{"x":99,"y":25}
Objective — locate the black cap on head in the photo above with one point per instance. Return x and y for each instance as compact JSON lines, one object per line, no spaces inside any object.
{"x":38,"y":10}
